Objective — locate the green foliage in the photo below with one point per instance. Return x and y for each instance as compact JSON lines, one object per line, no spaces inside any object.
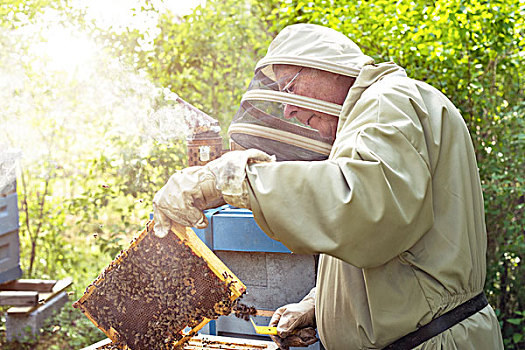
{"x":91,"y":166}
{"x":514,"y":335}
{"x":72,"y":329}
{"x":118,"y":191}
{"x":79,"y":235}
{"x":502,"y":174}
{"x":12,"y":12}
{"x":67,"y":329}
{"x":209,"y":56}
{"x":471,"y":51}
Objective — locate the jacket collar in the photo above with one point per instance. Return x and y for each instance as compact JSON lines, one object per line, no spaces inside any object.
{"x":369,"y":75}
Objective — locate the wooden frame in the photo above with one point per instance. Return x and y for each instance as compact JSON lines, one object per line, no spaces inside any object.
{"x":211,"y":342}
{"x":188,"y":237}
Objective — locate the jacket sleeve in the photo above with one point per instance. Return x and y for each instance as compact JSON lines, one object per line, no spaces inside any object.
{"x":369,"y":202}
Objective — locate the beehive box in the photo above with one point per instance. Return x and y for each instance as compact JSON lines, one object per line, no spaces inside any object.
{"x":9,"y":240}
{"x":273,"y":275}
{"x":205,"y":342}
{"x":160,"y":291}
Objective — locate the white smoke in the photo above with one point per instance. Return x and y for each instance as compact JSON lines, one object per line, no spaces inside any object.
{"x":69,"y":108}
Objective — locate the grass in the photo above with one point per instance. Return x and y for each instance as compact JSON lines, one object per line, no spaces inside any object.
{"x":68,"y":329}
{"x":82,"y":259}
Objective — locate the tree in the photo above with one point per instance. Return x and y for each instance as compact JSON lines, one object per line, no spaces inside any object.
{"x":208,"y":57}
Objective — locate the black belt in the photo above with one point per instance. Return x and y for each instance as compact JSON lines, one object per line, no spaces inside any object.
{"x":440,"y":324}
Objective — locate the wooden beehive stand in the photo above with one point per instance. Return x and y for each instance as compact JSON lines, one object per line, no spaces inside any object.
{"x":27,"y":295}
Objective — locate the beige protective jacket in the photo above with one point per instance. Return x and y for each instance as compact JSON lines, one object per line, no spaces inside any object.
{"x":397,"y":213}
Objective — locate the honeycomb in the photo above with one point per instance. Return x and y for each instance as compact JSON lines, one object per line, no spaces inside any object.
{"x":160,"y":291}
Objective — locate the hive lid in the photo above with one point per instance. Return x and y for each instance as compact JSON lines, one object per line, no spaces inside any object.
{"x":160,"y":291}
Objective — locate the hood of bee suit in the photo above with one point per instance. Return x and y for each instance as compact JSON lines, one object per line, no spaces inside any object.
{"x":310,"y":45}
{"x":260,"y":121}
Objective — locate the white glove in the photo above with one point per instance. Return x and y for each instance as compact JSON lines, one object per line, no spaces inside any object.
{"x":188,"y":192}
{"x":294,"y":316}
{"x":298,"y":338}
{"x":295,"y":323}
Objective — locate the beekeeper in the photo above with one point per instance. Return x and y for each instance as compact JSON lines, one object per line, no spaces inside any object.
{"x":373,"y":170}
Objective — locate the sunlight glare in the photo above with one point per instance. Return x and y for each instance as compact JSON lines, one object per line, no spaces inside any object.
{"x":69,"y":51}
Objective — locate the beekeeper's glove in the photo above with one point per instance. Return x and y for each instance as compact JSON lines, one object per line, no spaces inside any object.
{"x":295,"y":323}
{"x":299,"y":338}
{"x":188,"y":192}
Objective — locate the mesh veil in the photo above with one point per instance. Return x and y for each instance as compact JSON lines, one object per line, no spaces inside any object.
{"x":260,"y":122}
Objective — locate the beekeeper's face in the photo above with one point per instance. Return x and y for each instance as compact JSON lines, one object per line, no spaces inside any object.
{"x":314,"y":83}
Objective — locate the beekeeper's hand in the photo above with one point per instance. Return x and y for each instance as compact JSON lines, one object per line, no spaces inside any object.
{"x":302,"y":337}
{"x":295,"y":323}
{"x":188,"y":192}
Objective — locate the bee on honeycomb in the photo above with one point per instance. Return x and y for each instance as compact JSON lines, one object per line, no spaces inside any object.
{"x":157,"y":289}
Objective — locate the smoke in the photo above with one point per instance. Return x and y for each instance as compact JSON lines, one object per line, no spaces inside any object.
{"x":63,"y":96}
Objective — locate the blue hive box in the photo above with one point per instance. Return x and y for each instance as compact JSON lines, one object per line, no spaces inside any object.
{"x":273,"y":275}
{"x":9,"y":241}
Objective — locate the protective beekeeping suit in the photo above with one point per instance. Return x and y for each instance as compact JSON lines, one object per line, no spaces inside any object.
{"x":393,"y":202}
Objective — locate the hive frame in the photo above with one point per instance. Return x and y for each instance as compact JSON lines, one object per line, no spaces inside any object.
{"x":188,"y":237}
